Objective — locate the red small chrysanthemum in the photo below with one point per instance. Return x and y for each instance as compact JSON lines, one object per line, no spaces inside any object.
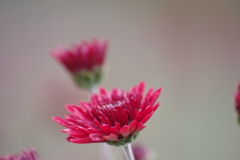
{"x":82,"y":56}
{"x":237,"y":100}
{"x":114,"y":117}
{"x":84,"y":61}
{"x":29,"y":154}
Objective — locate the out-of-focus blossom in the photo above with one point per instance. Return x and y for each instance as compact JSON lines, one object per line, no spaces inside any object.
{"x":27,"y":154}
{"x":84,"y":61}
{"x":237,"y":102}
{"x":142,"y":152}
{"x":114,"y":117}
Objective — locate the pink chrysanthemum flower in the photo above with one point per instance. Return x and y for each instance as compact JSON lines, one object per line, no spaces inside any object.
{"x":114,"y":117}
{"x":29,"y":154}
{"x":237,"y":102}
{"x":142,"y":152}
{"x":84,"y":61}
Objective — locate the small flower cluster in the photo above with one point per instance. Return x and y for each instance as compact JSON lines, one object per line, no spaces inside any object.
{"x":27,"y":154}
{"x":114,"y":117}
{"x":237,"y":102}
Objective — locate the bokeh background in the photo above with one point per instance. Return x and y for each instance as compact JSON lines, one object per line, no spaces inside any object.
{"x":190,"y":48}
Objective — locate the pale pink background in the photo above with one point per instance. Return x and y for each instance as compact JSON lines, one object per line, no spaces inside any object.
{"x":190,"y":48}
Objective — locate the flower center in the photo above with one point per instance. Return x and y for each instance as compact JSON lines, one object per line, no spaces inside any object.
{"x":120,"y":111}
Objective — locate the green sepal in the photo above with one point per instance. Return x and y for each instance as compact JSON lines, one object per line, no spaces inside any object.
{"x":88,"y":79}
{"x":123,"y":141}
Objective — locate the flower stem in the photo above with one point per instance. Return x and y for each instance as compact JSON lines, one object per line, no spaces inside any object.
{"x":106,"y":151}
{"x":127,"y":149}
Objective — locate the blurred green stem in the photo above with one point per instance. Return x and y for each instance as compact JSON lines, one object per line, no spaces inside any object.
{"x":127,"y":149}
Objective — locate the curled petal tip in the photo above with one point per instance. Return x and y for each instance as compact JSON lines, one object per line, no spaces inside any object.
{"x":70,"y":107}
{"x":55,"y":119}
{"x":141,"y":86}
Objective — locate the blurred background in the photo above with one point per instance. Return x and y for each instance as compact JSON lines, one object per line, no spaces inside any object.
{"x":190,"y":48}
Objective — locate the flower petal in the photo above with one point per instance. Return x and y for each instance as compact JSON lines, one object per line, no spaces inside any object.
{"x":97,"y":137}
{"x":155,"y":107}
{"x":146,"y":118}
{"x":141,"y":87}
{"x":77,"y":134}
{"x":60,"y":121}
{"x":115,"y":130}
{"x":112,"y":137}
{"x":138,"y":116}
{"x":147,"y":111}
{"x":139,"y":127}
{"x":93,"y":130}
{"x":124,"y":131}
{"x":80,"y":140}
{"x":154,"y":96}
{"x":105,"y":128}
{"x":132,"y":126}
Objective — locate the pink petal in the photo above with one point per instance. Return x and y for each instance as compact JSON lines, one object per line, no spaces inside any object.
{"x":105,"y":128}
{"x":154,"y":96}
{"x":80,"y":140}
{"x":103,"y":91}
{"x":104,"y":95}
{"x":115,"y":130}
{"x":138,"y":116}
{"x":81,"y":114}
{"x":132,"y":126}
{"x":139,"y":127}
{"x":77,"y":134}
{"x":155,"y":107}
{"x":97,"y":137}
{"x":141,"y":87}
{"x":147,"y":111}
{"x":70,"y":108}
{"x":124,"y":131}
{"x":97,"y":123}
{"x":112,"y":137}
{"x":146,"y":118}
{"x":146,"y":99}
{"x":60,"y":121}
{"x":85,"y":106}
{"x":93,"y":130}
{"x":94,"y":99}
{"x":80,"y":129}
{"x":117,"y":125}
{"x":114,"y":93}
{"x":65,"y":130}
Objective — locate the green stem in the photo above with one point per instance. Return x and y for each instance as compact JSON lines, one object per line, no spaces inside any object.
{"x":127,"y":149}
{"x":106,"y":151}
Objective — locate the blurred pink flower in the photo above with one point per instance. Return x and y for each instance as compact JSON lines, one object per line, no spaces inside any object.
{"x":237,"y":101}
{"x":114,"y":117}
{"x":82,"y":56}
{"x":29,"y":154}
{"x":84,"y":61}
{"x":142,"y":152}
